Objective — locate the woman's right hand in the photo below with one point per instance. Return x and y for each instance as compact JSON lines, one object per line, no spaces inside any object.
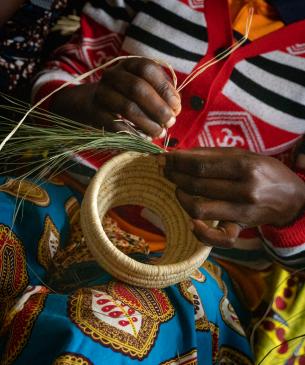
{"x":135,"y":89}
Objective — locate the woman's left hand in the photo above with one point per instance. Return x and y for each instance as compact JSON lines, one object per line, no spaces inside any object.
{"x":236,"y":187}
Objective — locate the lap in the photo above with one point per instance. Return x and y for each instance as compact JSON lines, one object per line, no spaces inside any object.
{"x":59,"y":307}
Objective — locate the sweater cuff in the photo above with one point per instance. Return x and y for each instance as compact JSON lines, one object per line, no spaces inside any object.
{"x":49,"y":81}
{"x":44,"y":91}
{"x":287,"y":244}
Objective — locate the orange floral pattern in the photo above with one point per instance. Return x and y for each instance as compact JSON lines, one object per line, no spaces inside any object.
{"x":122,"y":317}
{"x":13,"y":273}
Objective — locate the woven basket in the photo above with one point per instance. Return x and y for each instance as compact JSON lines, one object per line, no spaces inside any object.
{"x":133,"y":178}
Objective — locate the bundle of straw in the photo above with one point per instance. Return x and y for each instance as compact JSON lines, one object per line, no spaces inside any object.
{"x":54,"y":140}
{"x":133,"y":178}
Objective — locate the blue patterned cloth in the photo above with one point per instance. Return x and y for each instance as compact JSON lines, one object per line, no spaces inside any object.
{"x":58,"y":307}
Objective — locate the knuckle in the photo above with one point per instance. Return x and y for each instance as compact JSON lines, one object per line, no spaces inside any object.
{"x":163,"y":88}
{"x":100,"y":96}
{"x":107,"y":76}
{"x":137,"y":88}
{"x":129,"y":108}
{"x":194,"y":187}
{"x":164,"y":114}
{"x":198,"y":167}
{"x":241,"y":164}
{"x":196,"y":210}
{"x":253,"y":167}
{"x":229,"y":243}
{"x":245,"y":161}
{"x":251,"y":175}
{"x":147,"y":68}
{"x":253,"y":196}
{"x":254,"y":176}
{"x":129,"y":64}
{"x":102,"y":91}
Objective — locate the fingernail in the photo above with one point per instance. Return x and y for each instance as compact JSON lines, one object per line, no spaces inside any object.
{"x":161,"y":161}
{"x":163,"y":133}
{"x":174,"y":102}
{"x":171,"y":122}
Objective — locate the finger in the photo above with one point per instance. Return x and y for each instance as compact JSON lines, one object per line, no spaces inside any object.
{"x":224,"y":235}
{"x":219,"y":189}
{"x":106,"y":120}
{"x":220,"y":150}
{"x":209,"y":163}
{"x":200,"y":208}
{"x":117,"y":103}
{"x":143,"y":95}
{"x":157,"y":77}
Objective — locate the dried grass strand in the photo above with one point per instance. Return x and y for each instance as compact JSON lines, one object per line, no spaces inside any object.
{"x":193,"y":75}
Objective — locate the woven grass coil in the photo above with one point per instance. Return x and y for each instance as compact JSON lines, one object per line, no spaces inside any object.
{"x":133,"y":178}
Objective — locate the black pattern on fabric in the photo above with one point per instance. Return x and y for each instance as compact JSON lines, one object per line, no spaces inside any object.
{"x":270,"y":98}
{"x":22,"y":41}
{"x":160,"y":44}
{"x":178,"y":22}
{"x":279,"y":69}
{"x":116,"y":12}
{"x":151,"y":27}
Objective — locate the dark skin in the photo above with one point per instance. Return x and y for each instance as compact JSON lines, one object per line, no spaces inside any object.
{"x":236,"y":187}
{"x":137,"y":89}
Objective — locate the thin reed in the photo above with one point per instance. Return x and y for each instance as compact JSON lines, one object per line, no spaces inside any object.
{"x":54,"y":139}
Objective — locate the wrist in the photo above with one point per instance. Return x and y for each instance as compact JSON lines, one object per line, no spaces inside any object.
{"x":300,"y":193}
{"x":299,"y":199}
{"x":301,"y":176}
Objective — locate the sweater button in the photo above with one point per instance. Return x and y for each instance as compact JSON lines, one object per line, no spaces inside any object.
{"x":197,"y":102}
{"x":172,"y":142}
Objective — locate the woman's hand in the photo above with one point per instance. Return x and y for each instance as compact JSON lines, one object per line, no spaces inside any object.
{"x":236,"y":187}
{"x":136,"y":89}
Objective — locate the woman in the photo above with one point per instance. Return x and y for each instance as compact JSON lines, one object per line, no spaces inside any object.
{"x":254,"y":100}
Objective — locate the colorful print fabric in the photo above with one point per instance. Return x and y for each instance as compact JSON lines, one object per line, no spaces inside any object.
{"x":58,"y":306}
{"x":22,"y":39}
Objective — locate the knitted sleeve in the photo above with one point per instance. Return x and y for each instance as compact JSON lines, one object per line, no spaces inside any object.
{"x":102,"y":28}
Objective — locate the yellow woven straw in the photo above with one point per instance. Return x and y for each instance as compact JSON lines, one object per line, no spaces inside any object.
{"x":133,"y":178}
